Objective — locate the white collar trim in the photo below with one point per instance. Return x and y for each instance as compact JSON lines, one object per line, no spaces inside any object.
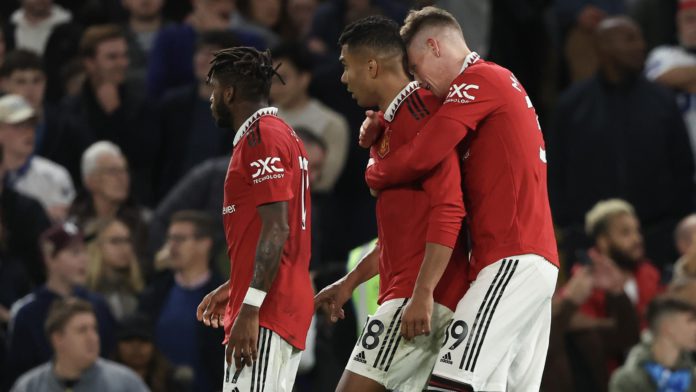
{"x":244,"y":129}
{"x":400,"y":97}
{"x":469,"y":59}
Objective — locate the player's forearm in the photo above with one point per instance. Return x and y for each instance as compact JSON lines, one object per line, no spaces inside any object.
{"x":410,"y":162}
{"x":434,"y":264}
{"x":274,"y":233}
{"x":367,"y":268}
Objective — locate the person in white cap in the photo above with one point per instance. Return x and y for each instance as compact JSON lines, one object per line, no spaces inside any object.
{"x":31,"y":175}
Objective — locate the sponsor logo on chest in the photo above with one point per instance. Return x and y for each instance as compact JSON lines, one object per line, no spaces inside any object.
{"x":461,"y":93}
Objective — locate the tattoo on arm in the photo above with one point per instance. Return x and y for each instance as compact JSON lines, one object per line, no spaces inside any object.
{"x":274,"y":233}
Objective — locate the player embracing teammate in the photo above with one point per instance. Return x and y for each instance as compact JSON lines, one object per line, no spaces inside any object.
{"x":498,"y":337}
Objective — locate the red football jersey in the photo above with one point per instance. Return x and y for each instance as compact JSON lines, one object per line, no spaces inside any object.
{"x":504,"y":163}
{"x":429,"y":210}
{"x":269,"y":165}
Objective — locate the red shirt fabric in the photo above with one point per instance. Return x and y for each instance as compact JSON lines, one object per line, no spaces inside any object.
{"x":428,"y":210}
{"x":504,"y":163}
{"x":268,"y":165}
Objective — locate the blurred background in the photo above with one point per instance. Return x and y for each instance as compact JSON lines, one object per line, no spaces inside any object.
{"x":105,"y":127}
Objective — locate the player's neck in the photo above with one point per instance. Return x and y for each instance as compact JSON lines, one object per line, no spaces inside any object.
{"x":66,"y":369}
{"x":392,"y":87}
{"x":243,"y":110}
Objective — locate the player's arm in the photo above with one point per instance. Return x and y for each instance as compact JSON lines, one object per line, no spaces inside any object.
{"x":332,"y":297}
{"x":274,"y":232}
{"x":444,"y":223}
{"x":439,"y":137}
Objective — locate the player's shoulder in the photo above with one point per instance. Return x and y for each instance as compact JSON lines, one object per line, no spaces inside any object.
{"x":268,"y":131}
{"x":486,"y":73}
{"x":430,"y":100}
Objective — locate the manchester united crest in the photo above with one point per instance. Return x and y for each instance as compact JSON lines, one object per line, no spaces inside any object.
{"x":383,"y":149}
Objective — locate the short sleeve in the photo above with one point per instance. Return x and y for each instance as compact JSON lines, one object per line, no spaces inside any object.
{"x":471,"y":99}
{"x":268,"y":165}
{"x":665,"y":58}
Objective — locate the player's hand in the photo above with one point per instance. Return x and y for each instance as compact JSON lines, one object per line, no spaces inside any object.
{"x":211,"y":310}
{"x":244,"y":336}
{"x":416,"y":317}
{"x":331,"y":299}
{"x":370,"y":129}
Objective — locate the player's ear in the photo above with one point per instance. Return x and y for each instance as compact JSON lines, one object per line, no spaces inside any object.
{"x":372,"y":68}
{"x":228,"y":95}
{"x":433,"y":46}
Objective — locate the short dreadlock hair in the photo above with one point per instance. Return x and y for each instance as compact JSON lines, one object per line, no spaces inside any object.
{"x":375,"y":33}
{"x":249,"y":71}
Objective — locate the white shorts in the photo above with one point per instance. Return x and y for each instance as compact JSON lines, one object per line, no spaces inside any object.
{"x":273,"y":371}
{"x":381,"y":354}
{"x":499,"y":334}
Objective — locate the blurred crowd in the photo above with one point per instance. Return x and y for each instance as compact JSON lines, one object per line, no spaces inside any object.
{"x":111,"y":173}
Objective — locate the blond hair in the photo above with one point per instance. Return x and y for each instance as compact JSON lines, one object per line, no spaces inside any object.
{"x":96,"y":270}
{"x":424,"y":18}
{"x":597,"y":219}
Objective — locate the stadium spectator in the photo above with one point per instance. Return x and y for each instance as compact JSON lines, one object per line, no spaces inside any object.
{"x":266,"y":18}
{"x":634,"y":134}
{"x":71,"y":326}
{"x":300,"y":15}
{"x":685,"y":241}
{"x":135,"y":348}
{"x":145,"y":20}
{"x":110,"y":107}
{"x":14,"y":284}
{"x":618,"y":255}
{"x":173,"y":297}
{"x":189,"y":134}
{"x":298,"y":109}
{"x":22,"y":220}
{"x":674,"y":66}
{"x":198,"y":190}
{"x":106,"y":177}
{"x":577,"y":21}
{"x":66,"y":266}
{"x":113,"y":270}
{"x":31,"y":175}
{"x":174,"y":47}
{"x":665,"y":363}
{"x":580,"y":346}
{"x":22,"y":74}
{"x":31,"y":25}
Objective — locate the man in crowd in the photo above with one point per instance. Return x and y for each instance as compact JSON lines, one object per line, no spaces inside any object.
{"x":71,"y":327}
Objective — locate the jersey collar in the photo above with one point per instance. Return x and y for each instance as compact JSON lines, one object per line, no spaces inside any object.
{"x":469,"y":59}
{"x":400,"y":97}
{"x":244,"y":129}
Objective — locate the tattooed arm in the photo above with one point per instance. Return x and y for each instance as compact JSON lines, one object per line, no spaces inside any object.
{"x":274,"y":233}
{"x":243,"y":339}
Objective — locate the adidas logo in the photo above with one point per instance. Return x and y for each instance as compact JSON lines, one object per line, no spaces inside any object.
{"x":447,"y":358}
{"x":360,"y":357}
{"x":235,"y":390}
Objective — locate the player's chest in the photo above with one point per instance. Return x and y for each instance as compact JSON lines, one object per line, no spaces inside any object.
{"x":237,"y":188}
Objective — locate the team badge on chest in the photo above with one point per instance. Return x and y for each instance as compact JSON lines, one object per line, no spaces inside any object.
{"x":383,"y":149}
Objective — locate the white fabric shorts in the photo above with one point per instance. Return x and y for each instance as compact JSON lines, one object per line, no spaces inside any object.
{"x":499,"y":334}
{"x":381,"y":354}
{"x":273,"y":371}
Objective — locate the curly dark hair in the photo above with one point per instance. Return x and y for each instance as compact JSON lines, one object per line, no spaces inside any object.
{"x":247,"y":69}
